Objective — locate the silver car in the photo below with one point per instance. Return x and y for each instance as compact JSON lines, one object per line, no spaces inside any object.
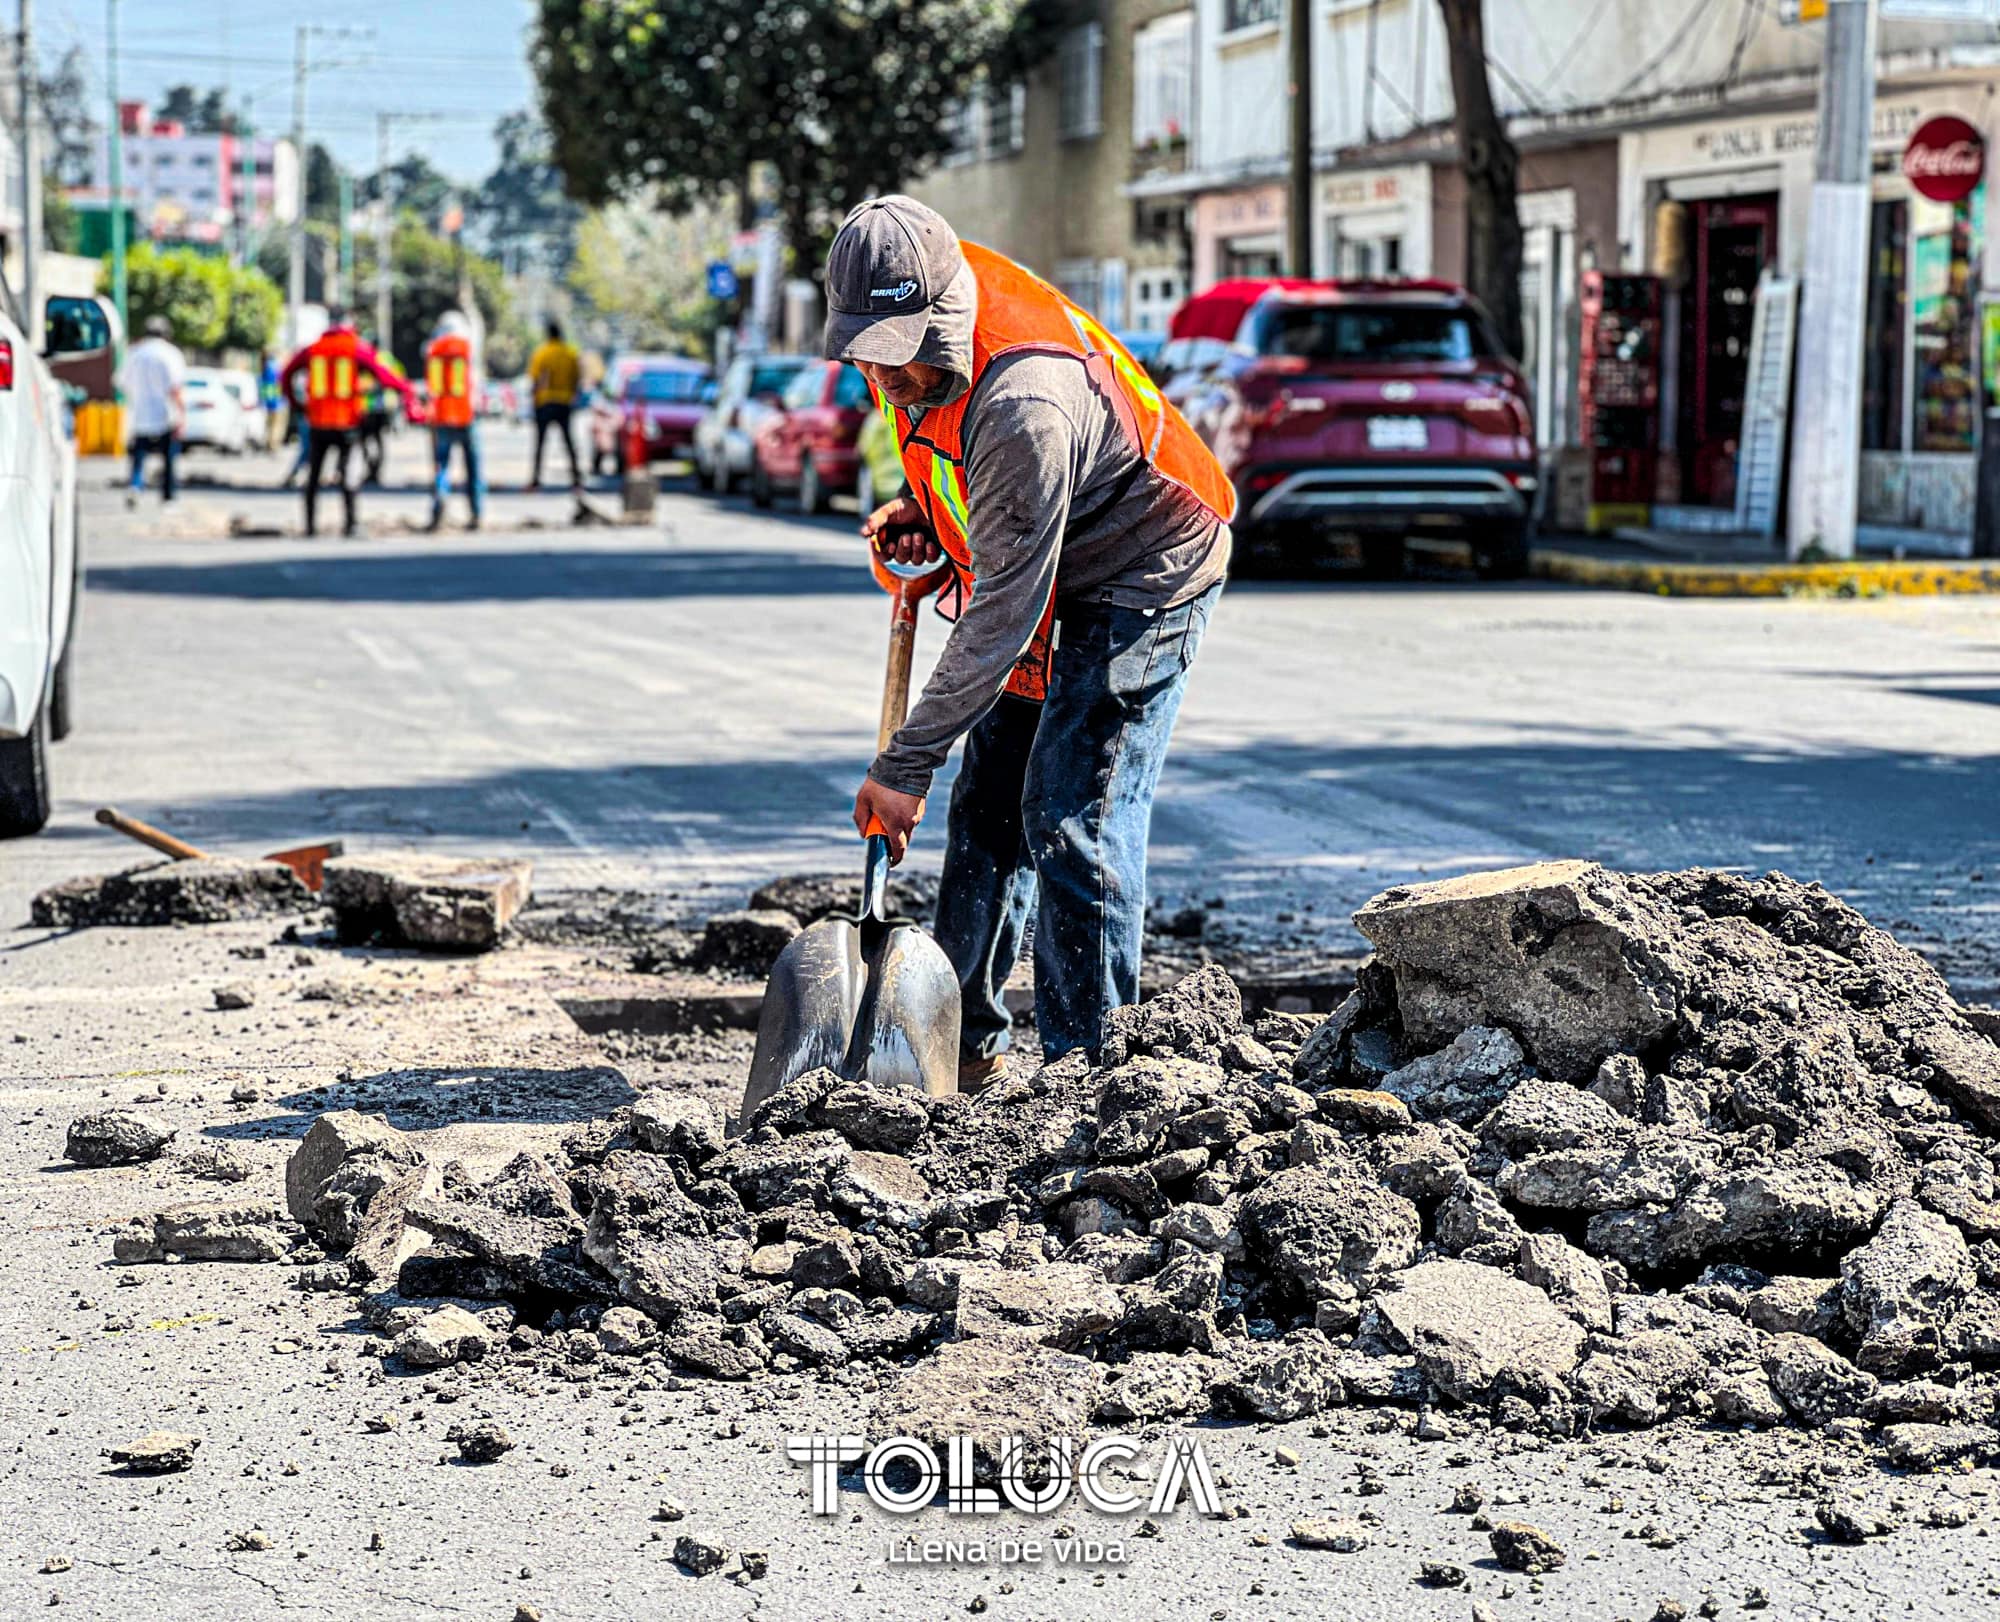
{"x":749,"y":392}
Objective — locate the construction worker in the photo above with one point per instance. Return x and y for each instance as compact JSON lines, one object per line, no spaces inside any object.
{"x":555,"y":371}
{"x":333,"y":365}
{"x":1072,"y":499}
{"x":451,"y":379}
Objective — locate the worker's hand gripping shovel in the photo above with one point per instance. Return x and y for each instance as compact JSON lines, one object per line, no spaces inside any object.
{"x":866,"y":994}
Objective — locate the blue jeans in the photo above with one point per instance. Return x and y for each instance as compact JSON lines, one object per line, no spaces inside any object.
{"x":144,"y":445}
{"x":1054,"y":801}
{"x":467,"y":441}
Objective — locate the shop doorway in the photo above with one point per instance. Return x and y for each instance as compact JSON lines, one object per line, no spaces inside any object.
{"x":1735,"y":241}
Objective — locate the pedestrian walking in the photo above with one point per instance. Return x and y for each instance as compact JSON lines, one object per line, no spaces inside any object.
{"x":451,"y":377}
{"x":154,"y":383}
{"x":555,"y":372}
{"x":1069,"y":494}
{"x":332,"y":366}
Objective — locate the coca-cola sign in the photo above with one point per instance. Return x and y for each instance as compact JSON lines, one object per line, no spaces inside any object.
{"x":1944,"y":159}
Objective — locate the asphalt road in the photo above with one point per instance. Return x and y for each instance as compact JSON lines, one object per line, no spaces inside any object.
{"x":691,"y":704}
{"x":687,"y":706}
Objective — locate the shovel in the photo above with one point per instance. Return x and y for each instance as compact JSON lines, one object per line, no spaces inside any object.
{"x":866,"y":994}
{"x":308,"y":861}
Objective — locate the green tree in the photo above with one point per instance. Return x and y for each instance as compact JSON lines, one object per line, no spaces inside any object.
{"x":190,"y":289}
{"x":415,"y":187}
{"x":647,"y":271}
{"x":203,"y":112}
{"x":840,"y":98}
{"x":255,"y":308}
{"x":61,"y":231}
{"x":322,"y":184}
{"x":520,"y":209}
{"x":65,"y":100}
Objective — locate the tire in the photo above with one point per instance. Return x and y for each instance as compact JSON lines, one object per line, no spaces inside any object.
{"x":1382,"y":557}
{"x":760,"y":485}
{"x":1505,"y":557}
{"x":812,"y":495}
{"x":719,"y":480}
{"x":596,"y":463}
{"x":24,"y":780}
{"x":62,"y":714}
{"x":864,"y":490}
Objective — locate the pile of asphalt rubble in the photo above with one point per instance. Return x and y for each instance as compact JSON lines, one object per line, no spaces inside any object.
{"x":1584,"y":1150}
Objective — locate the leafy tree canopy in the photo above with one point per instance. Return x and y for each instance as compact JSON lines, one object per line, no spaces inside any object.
{"x":204,"y":112}
{"x":841,"y":98}
{"x":209,"y":304}
{"x":521,"y":208}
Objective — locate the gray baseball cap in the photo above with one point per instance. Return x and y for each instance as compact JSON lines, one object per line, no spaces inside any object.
{"x":892,"y":260}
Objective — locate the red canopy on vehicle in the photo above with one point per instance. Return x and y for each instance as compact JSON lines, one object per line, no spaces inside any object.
{"x":1218,"y":312}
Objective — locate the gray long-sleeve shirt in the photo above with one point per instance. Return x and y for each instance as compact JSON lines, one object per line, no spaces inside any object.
{"x":1044,"y":452}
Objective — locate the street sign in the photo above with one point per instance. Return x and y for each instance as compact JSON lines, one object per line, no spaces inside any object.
{"x":721,"y":280}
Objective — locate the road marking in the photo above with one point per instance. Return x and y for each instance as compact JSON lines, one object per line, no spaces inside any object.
{"x":385,"y":657}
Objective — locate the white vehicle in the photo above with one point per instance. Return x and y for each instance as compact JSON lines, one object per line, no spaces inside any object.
{"x":748,"y":393}
{"x":38,"y":551}
{"x":214,"y":413}
{"x":249,"y":401}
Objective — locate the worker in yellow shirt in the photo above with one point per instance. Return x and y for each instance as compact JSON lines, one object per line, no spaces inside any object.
{"x":555,"y":372}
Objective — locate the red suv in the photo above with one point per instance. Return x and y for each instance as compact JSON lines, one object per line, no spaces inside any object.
{"x":1376,"y":413}
{"x":809,"y":444}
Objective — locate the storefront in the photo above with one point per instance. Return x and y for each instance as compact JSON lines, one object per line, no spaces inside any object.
{"x":1375,"y":222}
{"x":1710,"y":207}
{"x":1238,"y":233}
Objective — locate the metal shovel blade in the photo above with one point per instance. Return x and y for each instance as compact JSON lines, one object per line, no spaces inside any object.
{"x":874,"y":1000}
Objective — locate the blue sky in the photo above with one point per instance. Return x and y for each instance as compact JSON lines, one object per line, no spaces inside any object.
{"x":462,"y":60}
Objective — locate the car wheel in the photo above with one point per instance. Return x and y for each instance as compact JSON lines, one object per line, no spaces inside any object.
{"x":1505,"y":555}
{"x":1382,"y":557}
{"x":24,"y":780}
{"x":864,"y":490}
{"x":760,"y":485}
{"x":812,"y":499}
{"x":718,"y":476}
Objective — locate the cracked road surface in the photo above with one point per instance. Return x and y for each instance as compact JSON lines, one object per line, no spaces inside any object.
{"x":685,"y":710}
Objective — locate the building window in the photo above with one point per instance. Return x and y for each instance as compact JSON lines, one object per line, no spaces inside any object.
{"x":1077,"y":281}
{"x":1081,"y":102}
{"x":1162,"y":77}
{"x":1006,"y":120}
{"x":962,"y":124}
{"x":1882,"y":360}
{"x":1248,"y":14}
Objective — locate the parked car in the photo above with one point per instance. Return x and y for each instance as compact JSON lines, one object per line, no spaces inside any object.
{"x":664,"y":394}
{"x":214,"y":412}
{"x":879,"y":478}
{"x":250,"y":401}
{"x":749,"y":392}
{"x":38,"y":552}
{"x":1377,"y":413}
{"x":809,"y":445}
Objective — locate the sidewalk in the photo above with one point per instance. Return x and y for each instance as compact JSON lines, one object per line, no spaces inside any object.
{"x":1682,"y":565}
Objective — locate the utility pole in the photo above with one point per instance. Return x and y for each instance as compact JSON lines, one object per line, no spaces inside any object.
{"x":1299,"y":189}
{"x":116,"y":137}
{"x":247,"y":228}
{"x":346,"y":282}
{"x":1826,"y":452}
{"x":295,"y":279}
{"x":31,"y":182}
{"x":384,"y":231}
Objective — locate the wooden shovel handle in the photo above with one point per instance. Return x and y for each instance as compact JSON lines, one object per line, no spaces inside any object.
{"x":147,"y":834}
{"x":896,"y":680}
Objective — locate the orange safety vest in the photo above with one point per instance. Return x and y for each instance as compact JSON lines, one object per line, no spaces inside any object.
{"x":333,"y":398}
{"x":448,"y":371}
{"x":1019,"y":311}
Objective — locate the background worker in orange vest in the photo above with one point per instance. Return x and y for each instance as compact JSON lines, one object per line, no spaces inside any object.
{"x":332,"y":367}
{"x":451,"y":379}
{"x":1089,"y":529}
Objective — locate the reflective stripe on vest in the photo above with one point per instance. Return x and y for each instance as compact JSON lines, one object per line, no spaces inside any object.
{"x":1017,"y":311}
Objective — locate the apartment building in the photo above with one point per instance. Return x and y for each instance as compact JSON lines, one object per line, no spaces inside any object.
{"x":1674,"y":136}
{"x":1041,"y":167}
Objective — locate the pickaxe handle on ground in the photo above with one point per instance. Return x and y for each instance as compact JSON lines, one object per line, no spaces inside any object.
{"x":147,"y":834}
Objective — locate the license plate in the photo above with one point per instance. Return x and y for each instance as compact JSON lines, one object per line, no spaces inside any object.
{"x":1398,"y":434}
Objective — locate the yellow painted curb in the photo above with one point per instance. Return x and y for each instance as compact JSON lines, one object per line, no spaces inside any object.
{"x":1868,"y":578}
